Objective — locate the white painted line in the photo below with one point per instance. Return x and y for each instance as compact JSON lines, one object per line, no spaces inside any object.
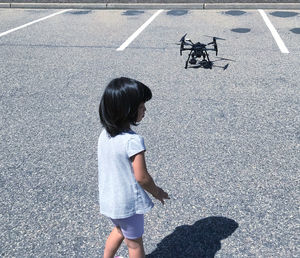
{"x":30,"y":23}
{"x":134,"y":35}
{"x":275,"y":34}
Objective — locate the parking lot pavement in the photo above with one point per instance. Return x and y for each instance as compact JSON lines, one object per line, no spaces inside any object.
{"x":223,"y":143}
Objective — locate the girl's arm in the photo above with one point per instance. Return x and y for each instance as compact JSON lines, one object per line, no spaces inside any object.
{"x":144,"y":179}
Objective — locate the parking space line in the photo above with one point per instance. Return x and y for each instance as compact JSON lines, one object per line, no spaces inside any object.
{"x":134,"y":35}
{"x":275,"y":34}
{"x":33,"y":22}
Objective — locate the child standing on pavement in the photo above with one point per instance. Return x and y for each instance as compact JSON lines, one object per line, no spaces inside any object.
{"x":123,"y":176}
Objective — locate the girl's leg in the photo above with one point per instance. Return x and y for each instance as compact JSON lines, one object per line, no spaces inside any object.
{"x":135,"y":247}
{"x":113,"y":243}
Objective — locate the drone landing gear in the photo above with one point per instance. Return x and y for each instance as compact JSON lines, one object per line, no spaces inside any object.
{"x":187,"y":61}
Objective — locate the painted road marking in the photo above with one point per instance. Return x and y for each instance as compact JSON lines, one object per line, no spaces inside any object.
{"x":33,"y":22}
{"x":275,"y":34}
{"x":134,"y":35}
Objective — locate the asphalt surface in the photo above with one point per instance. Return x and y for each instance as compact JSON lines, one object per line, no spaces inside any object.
{"x":223,"y":143}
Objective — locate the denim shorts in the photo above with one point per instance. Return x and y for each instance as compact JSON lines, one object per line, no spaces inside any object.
{"x":132,"y":227}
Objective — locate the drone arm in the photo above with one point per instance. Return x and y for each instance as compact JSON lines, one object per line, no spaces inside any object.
{"x":187,"y":44}
{"x":187,"y":48}
{"x":213,"y":49}
{"x":182,"y":48}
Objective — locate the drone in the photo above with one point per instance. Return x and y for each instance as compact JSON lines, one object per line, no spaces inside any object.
{"x":198,"y":50}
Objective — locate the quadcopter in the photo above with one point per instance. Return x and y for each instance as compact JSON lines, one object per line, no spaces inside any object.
{"x":198,"y":50}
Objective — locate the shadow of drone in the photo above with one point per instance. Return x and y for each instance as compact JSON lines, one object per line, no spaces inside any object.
{"x":200,"y":240}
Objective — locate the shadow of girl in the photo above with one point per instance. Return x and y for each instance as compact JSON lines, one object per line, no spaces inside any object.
{"x":201,"y":240}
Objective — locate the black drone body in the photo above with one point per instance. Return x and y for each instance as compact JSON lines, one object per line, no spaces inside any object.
{"x":198,"y":50}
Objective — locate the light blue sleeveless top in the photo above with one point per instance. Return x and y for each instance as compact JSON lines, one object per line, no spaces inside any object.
{"x":120,"y":194}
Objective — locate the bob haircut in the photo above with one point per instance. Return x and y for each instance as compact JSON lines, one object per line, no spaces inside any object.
{"x":119,"y":104}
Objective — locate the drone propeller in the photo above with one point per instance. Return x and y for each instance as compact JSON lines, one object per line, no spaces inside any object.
{"x":225,"y":67}
{"x":214,"y":37}
{"x":225,"y":59}
{"x":215,"y":45}
{"x":182,"y":40}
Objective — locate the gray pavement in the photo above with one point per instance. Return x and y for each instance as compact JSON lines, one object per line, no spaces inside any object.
{"x":223,"y":143}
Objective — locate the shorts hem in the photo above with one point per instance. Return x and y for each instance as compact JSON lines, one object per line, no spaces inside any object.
{"x":133,"y":238}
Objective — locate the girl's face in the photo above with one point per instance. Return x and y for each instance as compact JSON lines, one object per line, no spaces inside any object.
{"x":141,"y":112}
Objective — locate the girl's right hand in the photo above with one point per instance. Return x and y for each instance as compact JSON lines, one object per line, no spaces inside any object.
{"x":161,"y":195}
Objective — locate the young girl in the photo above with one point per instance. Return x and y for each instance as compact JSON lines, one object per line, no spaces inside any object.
{"x":123,"y":175}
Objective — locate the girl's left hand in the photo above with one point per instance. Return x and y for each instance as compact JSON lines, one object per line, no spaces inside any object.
{"x":161,"y":195}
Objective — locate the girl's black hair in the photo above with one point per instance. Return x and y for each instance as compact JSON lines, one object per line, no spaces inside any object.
{"x":119,"y":104}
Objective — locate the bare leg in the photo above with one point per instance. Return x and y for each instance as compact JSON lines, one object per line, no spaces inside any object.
{"x":113,"y":243}
{"x":135,"y":247}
